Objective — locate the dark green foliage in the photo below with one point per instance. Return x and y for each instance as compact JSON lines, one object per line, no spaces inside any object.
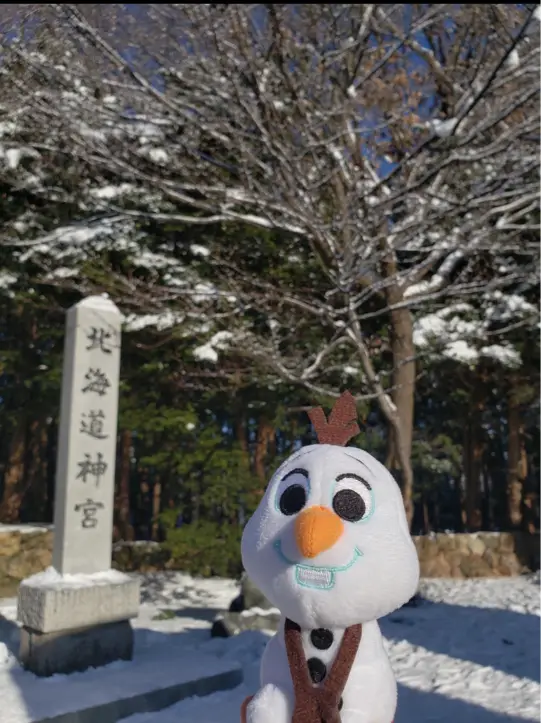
{"x":205,"y":438}
{"x":204,"y":548}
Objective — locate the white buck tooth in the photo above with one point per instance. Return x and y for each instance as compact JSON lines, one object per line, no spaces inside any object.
{"x":314,"y":576}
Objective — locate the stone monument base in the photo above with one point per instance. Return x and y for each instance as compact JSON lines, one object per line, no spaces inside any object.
{"x":73,"y":651}
{"x":74,"y":622}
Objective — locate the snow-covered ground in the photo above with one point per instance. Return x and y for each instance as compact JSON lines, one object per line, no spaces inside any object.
{"x":468,"y":653}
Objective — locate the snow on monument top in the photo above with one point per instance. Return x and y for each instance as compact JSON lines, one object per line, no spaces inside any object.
{"x":103,"y":303}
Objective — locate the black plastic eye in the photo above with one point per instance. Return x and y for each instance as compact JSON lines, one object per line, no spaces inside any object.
{"x":349,"y":505}
{"x":292,"y":500}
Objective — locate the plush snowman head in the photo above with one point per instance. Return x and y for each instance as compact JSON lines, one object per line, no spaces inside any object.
{"x":329,"y":544}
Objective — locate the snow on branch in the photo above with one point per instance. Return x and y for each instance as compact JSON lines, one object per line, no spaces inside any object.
{"x":468,"y":332}
{"x":310,"y":122}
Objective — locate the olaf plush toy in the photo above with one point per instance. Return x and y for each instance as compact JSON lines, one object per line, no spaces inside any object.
{"x":330,"y":547}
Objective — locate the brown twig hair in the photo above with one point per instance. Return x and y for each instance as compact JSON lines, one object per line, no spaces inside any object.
{"x":341,"y":425}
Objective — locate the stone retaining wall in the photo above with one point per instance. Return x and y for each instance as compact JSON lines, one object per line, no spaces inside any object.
{"x":25,"y":550}
{"x":481,"y":554}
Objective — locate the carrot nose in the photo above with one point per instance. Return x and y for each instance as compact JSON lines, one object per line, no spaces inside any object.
{"x":317,"y":529}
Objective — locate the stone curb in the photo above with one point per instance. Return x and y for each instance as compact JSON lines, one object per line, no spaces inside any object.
{"x":151,"y":701}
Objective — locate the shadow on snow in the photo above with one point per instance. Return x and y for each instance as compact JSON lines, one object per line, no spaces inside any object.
{"x":500,"y":639}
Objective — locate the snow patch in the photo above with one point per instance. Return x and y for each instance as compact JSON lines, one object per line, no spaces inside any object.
{"x":198,"y":250}
{"x":92,"y":134}
{"x":508,"y":307}
{"x":158,"y":155}
{"x":461,"y":351}
{"x":446,"y":656}
{"x":25,"y":529}
{"x":7,"y":128}
{"x":63,"y":272}
{"x":209,"y":351}
{"x":513,"y":59}
{"x":161,"y":322}
{"x":76,"y":235}
{"x":151,"y":260}
{"x":7,"y":279}
{"x":51,"y":577}
{"x":109,"y":192}
{"x":442,"y":128}
{"x":203,"y":291}
{"x":13,"y":157}
{"x":461,"y":332}
{"x":504,"y":354}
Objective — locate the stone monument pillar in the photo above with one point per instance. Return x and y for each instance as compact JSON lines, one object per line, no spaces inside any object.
{"x":77,"y":614}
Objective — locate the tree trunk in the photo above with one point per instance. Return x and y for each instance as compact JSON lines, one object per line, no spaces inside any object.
{"x":242,"y":439}
{"x":144,"y":506}
{"x":517,"y":462}
{"x":50,"y":465}
{"x":241,"y":434}
{"x":399,"y":414}
{"x":265,"y":434}
{"x":156,"y":506}
{"x":426,"y":517}
{"x":473,"y":451}
{"x":14,"y":476}
{"x":123,"y":496}
{"x":400,"y":435}
{"x":35,"y":478}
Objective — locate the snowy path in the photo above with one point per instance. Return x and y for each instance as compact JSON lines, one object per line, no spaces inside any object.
{"x":469,"y":653}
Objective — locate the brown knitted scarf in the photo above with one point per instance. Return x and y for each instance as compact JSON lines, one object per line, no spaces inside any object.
{"x":319,"y":705}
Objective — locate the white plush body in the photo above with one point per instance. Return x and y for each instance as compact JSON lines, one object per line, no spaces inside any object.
{"x":330,"y":547}
{"x":369,"y":695}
